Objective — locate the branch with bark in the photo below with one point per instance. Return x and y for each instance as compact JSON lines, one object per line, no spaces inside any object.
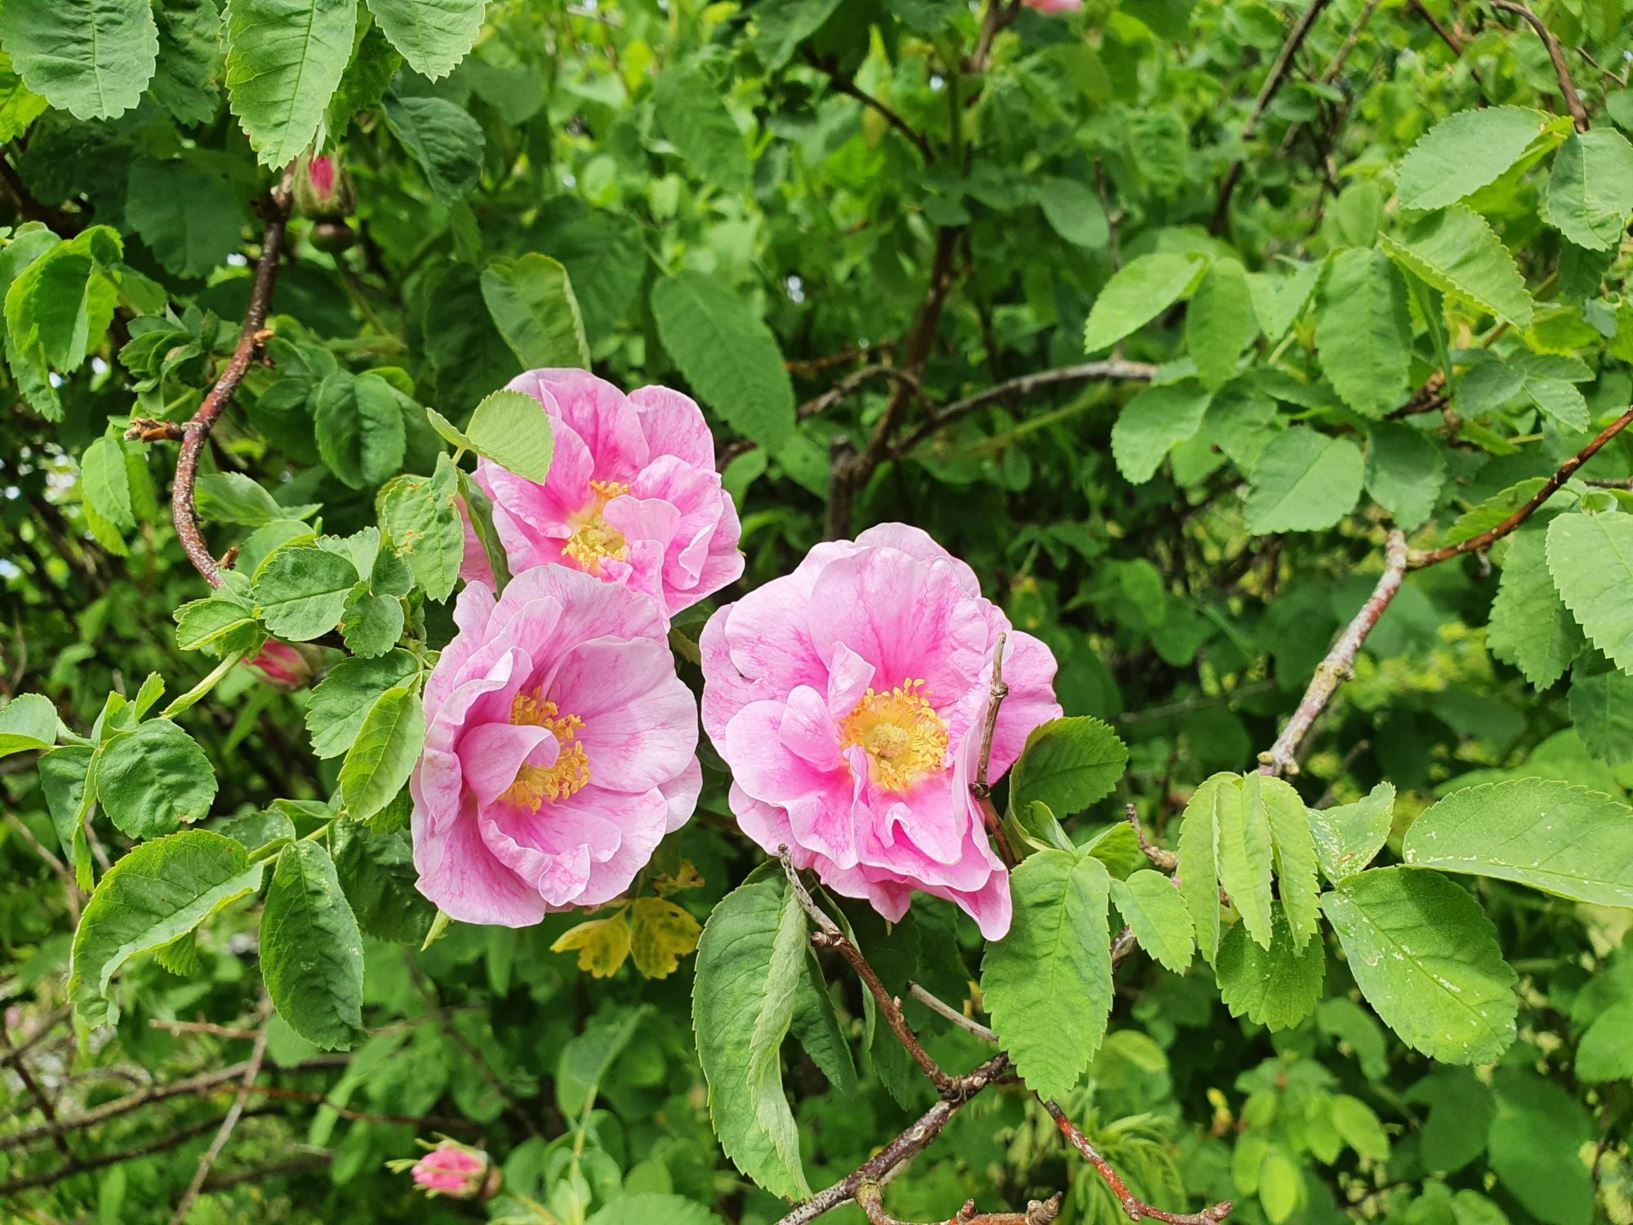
{"x":1556,"y":55}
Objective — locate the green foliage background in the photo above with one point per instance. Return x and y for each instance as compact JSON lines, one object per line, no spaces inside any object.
{"x":1161,"y":331}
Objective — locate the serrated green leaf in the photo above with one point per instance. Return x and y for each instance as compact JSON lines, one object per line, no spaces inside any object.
{"x":1295,"y":853}
{"x":359,"y":425}
{"x":387,"y":746}
{"x":727,"y":354}
{"x":1461,"y":1108}
{"x":59,"y":306}
{"x":1199,"y":860}
{"x":432,"y":35}
{"x":154,"y":779}
{"x":533,"y":307}
{"x":1220,"y":322}
{"x":1466,"y":151}
{"x":1427,"y":960}
{"x":749,"y":962}
{"x":1278,"y":300}
{"x":513,"y":430}
{"x":1276,"y":987}
{"x":160,"y":890}
{"x":691,"y":116}
{"x":1156,"y":913}
{"x":232,"y":497}
{"x":1152,"y":424}
{"x":421,"y":518}
{"x":1137,"y":293}
{"x":190,"y":219}
{"x":92,"y":58}
{"x":1601,"y":706}
{"x":311,"y":949}
{"x":341,"y":702}
{"x":1604,"y":1053}
{"x":1074,"y":211}
{"x":1304,"y":482}
{"x":107,"y":482}
{"x":27,"y":722}
{"x":443,"y":138}
{"x":370,"y":624}
{"x":301,"y":590}
{"x":1534,"y":1142}
{"x":1457,"y":252}
{"x":649,"y":1207}
{"x":1363,"y":331}
{"x":1246,"y":855}
{"x":1544,"y":833}
{"x":1349,"y":836}
{"x":781,"y":25}
{"x":1591,"y":560}
{"x":1047,"y":984}
{"x":1405,"y":470}
{"x":1590,"y":189}
{"x":187,"y":80}
{"x":1067,"y":765}
{"x":815,"y":1025}
{"x":284,"y":61}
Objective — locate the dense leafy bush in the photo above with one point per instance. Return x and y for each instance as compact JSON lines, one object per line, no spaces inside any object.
{"x":1243,"y":832}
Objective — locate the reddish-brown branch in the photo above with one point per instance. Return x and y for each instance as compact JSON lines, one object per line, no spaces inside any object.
{"x":251,"y":339}
{"x":1136,"y":1208}
{"x":980,"y":786}
{"x":1272,"y":85}
{"x":1038,"y":1212}
{"x":1562,"y":71}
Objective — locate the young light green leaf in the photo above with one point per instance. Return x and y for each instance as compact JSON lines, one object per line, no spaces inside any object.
{"x":311,"y":949}
{"x":27,"y":722}
{"x":1304,"y":482}
{"x":388,"y":744}
{"x":1137,"y":293}
{"x":421,"y":518}
{"x":691,"y":116}
{"x":1276,"y":987}
{"x":300,"y":591}
{"x":1363,"y":331}
{"x":1047,"y":984}
{"x":1152,"y":424}
{"x":1278,"y":300}
{"x":727,"y":354}
{"x":1349,"y":836}
{"x":432,"y":35}
{"x":1220,"y":322}
{"x":1156,"y":913}
{"x":107,"y":482}
{"x":1295,"y":853}
{"x":1591,"y":559}
{"x":1457,"y":252}
{"x":749,"y":963}
{"x":285,"y":59}
{"x":1199,"y":859}
{"x":1466,"y":151}
{"x":1427,"y":960}
{"x":341,"y":702}
{"x":92,"y":58}
{"x":533,"y":307}
{"x":154,"y":779}
{"x":1590,"y":189}
{"x":443,"y":138}
{"x":1601,"y":706}
{"x":1067,"y":764}
{"x":513,"y":430}
{"x":1405,"y":470}
{"x":370,"y":624}
{"x":160,"y":890}
{"x":1544,"y":833}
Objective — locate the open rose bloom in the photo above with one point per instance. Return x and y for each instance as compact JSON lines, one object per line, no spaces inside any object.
{"x":849,"y":699}
{"x":560,"y":748}
{"x":632,"y":498}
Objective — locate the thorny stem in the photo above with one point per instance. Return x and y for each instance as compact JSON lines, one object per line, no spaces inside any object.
{"x":1038,"y":1212}
{"x":1135,"y":1208}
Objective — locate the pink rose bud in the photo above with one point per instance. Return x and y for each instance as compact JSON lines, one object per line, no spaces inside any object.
{"x":285,"y":666}
{"x":323,"y":189}
{"x":456,"y":1171}
{"x":1054,"y":7}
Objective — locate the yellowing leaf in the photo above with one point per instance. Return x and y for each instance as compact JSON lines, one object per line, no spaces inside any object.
{"x":602,"y":944}
{"x":663,"y":934}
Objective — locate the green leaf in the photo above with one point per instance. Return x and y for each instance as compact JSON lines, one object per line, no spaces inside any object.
{"x":1074,"y":211}
{"x":649,"y":1207}
{"x":186,"y":82}
{"x":1427,"y":960}
{"x":190,"y":219}
{"x":232,"y":497}
{"x":606,"y":261}
{"x":27,"y":722}
{"x":370,"y":624}
{"x":154,"y":779}
{"x":433,"y":35}
{"x":377,"y":873}
{"x":160,"y":890}
{"x":359,"y":424}
{"x":1295,"y":853}
{"x":65,"y":777}
{"x":1601,"y":706}
{"x":1349,"y":836}
{"x":1534,"y":1144}
{"x":1539,"y":832}
{"x":1152,"y":424}
{"x":1153,"y":908}
{"x":19,"y":108}
{"x":1530,"y":626}
{"x":1466,"y":151}
{"x":284,"y":61}
{"x":1456,"y":251}
{"x":1591,"y":560}
{"x":300,"y":591}
{"x":107,"y":482}
{"x":513,"y":430}
{"x":1137,"y":293}
{"x":1067,"y":764}
{"x":342,"y":700}
{"x":388,"y":744}
{"x":1405,"y":470}
{"x":1220,"y":322}
{"x":815,"y":1026}
{"x":1047,"y":984}
{"x":1590,"y":189}
{"x":749,"y":963}
{"x":90,"y":57}
{"x":443,"y":138}
{"x":1604,"y":1052}
{"x":1246,"y":855}
{"x":1276,"y":987}
{"x":690,"y":115}
{"x":1461,"y":1108}
{"x":1304,"y":482}
{"x":1199,"y":859}
{"x":311,"y":949}
{"x":421,"y":518}
{"x":1279,"y":300}
{"x":533,"y":307}
{"x":727,"y":354}
{"x":60,"y":305}
{"x":1363,"y":331}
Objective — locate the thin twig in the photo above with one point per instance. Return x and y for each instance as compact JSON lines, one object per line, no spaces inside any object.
{"x":1136,"y":1208}
{"x":48,"y":1108}
{"x":940,"y":1006}
{"x":1337,"y":65}
{"x":251,"y":339}
{"x":853,"y":382}
{"x":843,"y":84}
{"x":228,"y":1125}
{"x":1038,"y":1212}
{"x":1562,"y":70}
{"x":980,"y":785}
{"x":1163,"y":861}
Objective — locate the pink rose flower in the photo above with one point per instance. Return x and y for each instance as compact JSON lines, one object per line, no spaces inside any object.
{"x":1054,"y":7}
{"x":560,"y":748}
{"x":283,"y":664}
{"x":456,"y":1171}
{"x":632,"y":497}
{"x":849,"y":699}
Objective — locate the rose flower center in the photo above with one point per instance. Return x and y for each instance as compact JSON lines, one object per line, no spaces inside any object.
{"x":903,"y":737}
{"x":593,"y":539}
{"x":571,"y":770}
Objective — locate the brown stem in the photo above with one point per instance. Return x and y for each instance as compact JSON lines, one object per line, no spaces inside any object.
{"x":1000,"y":13}
{"x":853,"y":382}
{"x":1163,"y":861}
{"x":1272,"y":84}
{"x":980,"y":787}
{"x":943,"y":1009}
{"x":1337,"y":65}
{"x":1282,"y":757}
{"x":229,"y":1124}
{"x":251,"y":339}
{"x":1562,"y":71}
{"x":1038,"y":1212}
{"x":850,"y":89}
{"x":48,"y":1109}
{"x":1136,"y":1208}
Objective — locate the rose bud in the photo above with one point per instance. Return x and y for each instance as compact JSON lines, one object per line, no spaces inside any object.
{"x":323,"y":189}
{"x":454,"y":1170}
{"x":284,"y":665}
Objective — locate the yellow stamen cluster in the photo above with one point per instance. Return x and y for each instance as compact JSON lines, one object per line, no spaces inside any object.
{"x":536,"y":784}
{"x":900,"y":732}
{"x":593,"y":539}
